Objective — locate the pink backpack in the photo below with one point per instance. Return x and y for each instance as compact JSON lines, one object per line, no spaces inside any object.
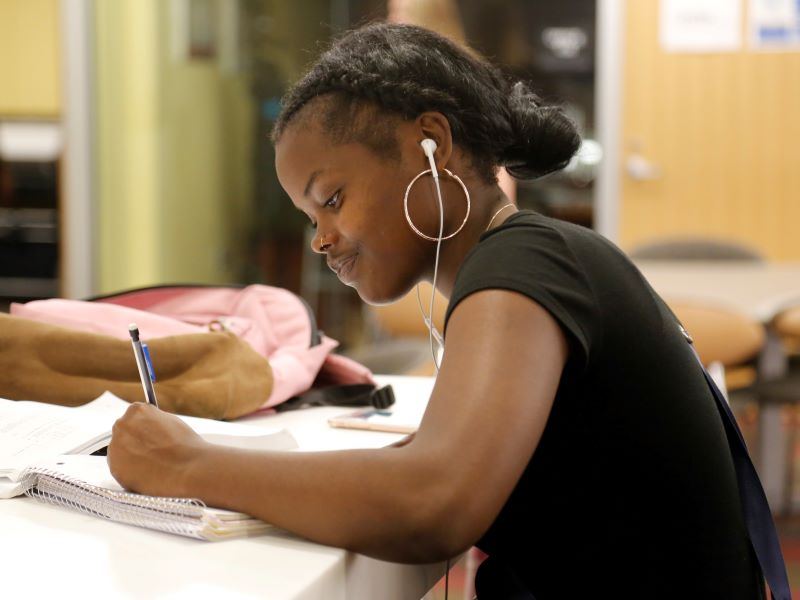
{"x":275,"y":322}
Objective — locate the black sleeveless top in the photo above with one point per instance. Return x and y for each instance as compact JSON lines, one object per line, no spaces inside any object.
{"x":631,"y":492}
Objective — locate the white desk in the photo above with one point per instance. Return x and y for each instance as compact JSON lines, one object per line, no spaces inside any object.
{"x":761,"y":291}
{"x":52,"y":552}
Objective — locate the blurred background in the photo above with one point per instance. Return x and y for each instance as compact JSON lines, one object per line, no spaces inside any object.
{"x":134,"y":151}
{"x":134,"y":142}
{"x":134,"y":134}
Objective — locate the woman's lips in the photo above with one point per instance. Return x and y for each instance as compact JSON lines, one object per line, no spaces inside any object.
{"x":344,"y":269}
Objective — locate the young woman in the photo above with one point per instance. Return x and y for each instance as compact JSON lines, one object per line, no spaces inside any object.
{"x":570,"y":433}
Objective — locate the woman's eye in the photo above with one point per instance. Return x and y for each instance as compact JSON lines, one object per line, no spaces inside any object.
{"x":332,"y":201}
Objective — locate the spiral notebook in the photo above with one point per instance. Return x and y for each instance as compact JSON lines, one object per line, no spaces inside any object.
{"x":84,"y":483}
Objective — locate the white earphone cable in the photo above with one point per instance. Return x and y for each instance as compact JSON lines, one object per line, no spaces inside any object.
{"x":432,"y":327}
{"x":432,"y":332}
{"x":429,"y":147}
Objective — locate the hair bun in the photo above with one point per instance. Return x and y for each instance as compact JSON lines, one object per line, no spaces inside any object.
{"x":544,"y":138}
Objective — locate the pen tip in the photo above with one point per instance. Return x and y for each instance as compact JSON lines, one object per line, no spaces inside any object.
{"x":132,"y":327}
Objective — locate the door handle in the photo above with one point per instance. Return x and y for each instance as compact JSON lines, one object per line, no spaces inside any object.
{"x":640,"y":168}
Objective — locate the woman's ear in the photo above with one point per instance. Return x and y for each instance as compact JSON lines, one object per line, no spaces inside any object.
{"x":435,"y":126}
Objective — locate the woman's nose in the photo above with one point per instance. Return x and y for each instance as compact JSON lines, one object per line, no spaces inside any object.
{"x":322,"y":242}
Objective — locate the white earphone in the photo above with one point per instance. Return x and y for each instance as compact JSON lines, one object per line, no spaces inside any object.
{"x":429,"y":147}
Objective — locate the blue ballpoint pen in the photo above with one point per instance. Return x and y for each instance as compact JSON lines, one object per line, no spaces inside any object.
{"x":146,"y":373}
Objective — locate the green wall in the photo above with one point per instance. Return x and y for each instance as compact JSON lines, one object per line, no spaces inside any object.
{"x":173,"y":154}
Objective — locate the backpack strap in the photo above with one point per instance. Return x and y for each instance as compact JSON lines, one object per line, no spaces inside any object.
{"x":357,"y":394}
{"x":757,"y":515}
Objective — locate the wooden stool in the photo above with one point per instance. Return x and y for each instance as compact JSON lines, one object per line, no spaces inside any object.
{"x":722,"y":336}
{"x":787,"y":326}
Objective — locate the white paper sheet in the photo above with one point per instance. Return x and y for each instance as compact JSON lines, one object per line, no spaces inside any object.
{"x":700,"y":25}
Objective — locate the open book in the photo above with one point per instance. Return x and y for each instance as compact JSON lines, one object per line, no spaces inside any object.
{"x":43,"y":450}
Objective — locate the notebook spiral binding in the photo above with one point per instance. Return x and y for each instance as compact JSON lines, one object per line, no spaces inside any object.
{"x":182,"y":516}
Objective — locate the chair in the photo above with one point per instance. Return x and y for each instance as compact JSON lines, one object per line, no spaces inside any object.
{"x":726,"y":340}
{"x":695,"y":248}
{"x":399,"y":341}
{"x":781,"y":395}
{"x":785,"y":387}
{"x":787,"y":326}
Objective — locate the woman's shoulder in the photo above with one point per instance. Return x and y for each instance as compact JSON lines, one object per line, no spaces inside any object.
{"x":535,"y":256}
{"x":544,"y":242}
{"x":536,"y":227}
{"x":534,"y":242}
{"x":570,"y":270}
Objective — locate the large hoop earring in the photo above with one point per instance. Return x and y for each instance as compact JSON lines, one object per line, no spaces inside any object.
{"x":408,"y":216}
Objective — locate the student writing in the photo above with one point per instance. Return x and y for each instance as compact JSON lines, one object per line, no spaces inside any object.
{"x":570,"y":433}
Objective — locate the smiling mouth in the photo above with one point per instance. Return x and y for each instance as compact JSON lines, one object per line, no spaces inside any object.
{"x":344,"y":268}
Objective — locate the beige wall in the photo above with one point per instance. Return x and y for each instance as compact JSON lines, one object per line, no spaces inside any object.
{"x":723,"y":129}
{"x":29,"y":59}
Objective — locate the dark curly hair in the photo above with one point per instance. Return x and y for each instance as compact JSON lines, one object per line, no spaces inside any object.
{"x":407,"y":70}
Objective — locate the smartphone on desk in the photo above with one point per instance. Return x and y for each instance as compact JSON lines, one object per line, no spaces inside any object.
{"x":392,"y":421}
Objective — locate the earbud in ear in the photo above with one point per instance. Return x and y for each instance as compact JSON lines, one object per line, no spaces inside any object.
{"x":429,"y":147}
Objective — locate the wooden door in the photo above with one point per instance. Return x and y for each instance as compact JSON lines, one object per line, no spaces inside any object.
{"x":721,"y":132}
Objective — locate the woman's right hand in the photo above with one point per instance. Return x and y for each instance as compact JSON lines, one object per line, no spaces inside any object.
{"x":152,"y":452}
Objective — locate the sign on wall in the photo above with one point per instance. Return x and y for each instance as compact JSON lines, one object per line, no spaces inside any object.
{"x":774,"y":24}
{"x":700,"y":25}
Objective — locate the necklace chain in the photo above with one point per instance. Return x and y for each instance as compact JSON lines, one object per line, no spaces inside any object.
{"x":494,"y":216}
